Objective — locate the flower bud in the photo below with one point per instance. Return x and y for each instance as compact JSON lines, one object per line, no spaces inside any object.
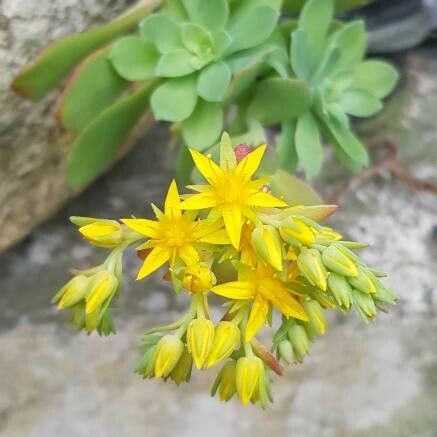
{"x":226,"y":340}
{"x":295,"y":230}
{"x":340,"y":289}
{"x":336,"y":261}
{"x":241,"y":151}
{"x":316,"y":317}
{"x":200,"y":337}
{"x":326,"y":234}
{"x":198,"y":278}
{"x":247,"y":378}
{"x":267,"y":244}
{"x":168,"y":352}
{"x":182,"y":371}
{"x":364,"y":281}
{"x":364,"y":304}
{"x":384,"y":294}
{"x":299,"y":340}
{"x":146,"y":366}
{"x":285,"y":351}
{"x":72,"y":292}
{"x":103,"y":233}
{"x":225,"y":382}
{"x":310,"y":264}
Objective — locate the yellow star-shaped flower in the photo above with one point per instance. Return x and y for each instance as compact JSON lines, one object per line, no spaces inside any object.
{"x":231,"y":192}
{"x":175,"y":234}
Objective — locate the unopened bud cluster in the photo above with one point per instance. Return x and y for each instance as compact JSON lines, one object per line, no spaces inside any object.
{"x":238,"y":240}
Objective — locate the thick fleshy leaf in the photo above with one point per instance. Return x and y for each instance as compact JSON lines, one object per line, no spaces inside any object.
{"x":196,"y":39}
{"x":162,"y":31}
{"x":376,"y":77}
{"x":212,"y":14}
{"x":46,"y":72}
{"x":214,"y":81}
{"x":309,"y":144}
{"x":134,"y":59}
{"x":97,"y":145}
{"x":315,"y":19}
{"x":300,"y":55}
{"x":83,"y":97}
{"x":175,"y":99}
{"x":277,"y":100}
{"x":359,"y":103}
{"x":175,"y":63}
{"x":294,"y":190}
{"x":286,"y":147}
{"x":184,"y":166}
{"x":294,"y":6}
{"x":252,"y":28}
{"x":204,"y":126}
{"x":351,"y":40}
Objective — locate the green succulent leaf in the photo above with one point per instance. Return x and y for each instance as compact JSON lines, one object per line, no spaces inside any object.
{"x":197,"y":40}
{"x":214,"y":81}
{"x":175,"y":99}
{"x":376,"y":77}
{"x":300,"y":55}
{"x":83,"y":97}
{"x":351,"y":39}
{"x":252,"y":28}
{"x":98,"y":144}
{"x":175,"y":63}
{"x":162,"y":31}
{"x":204,"y":125}
{"x":309,"y":144}
{"x":46,"y":72}
{"x":315,"y":20}
{"x":134,"y":59}
{"x":286,"y":147}
{"x":277,"y":100}
{"x":212,"y":14}
{"x":221,"y":41}
{"x":359,"y":103}
{"x":184,"y":166}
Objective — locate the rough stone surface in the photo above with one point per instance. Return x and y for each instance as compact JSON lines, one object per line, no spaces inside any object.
{"x":360,"y":380}
{"x":33,"y":149}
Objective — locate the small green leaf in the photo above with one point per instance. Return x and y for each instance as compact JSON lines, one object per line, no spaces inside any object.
{"x":83,"y":97}
{"x":204,"y":125}
{"x":96,"y":146}
{"x":212,"y":14}
{"x":134,"y":59}
{"x":228,"y":159}
{"x":197,"y":40}
{"x":300,"y":55}
{"x":277,"y":100}
{"x":175,"y":99}
{"x":162,"y":31}
{"x":351,"y":39}
{"x":221,"y":42}
{"x":309,"y":144}
{"x":315,"y":19}
{"x":252,"y":28}
{"x":175,"y":63}
{"x":359,"y":103}
{"x":376,"y":77}
{"x":294,"y":190}
{"x":214,"y":81}
{"x":46,"y":72}
{"x":286,"y":147}
{"x":184,"y":166}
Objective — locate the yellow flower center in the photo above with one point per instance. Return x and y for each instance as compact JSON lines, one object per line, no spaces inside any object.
{"x":230,"y":189}
{"x":177,"y":231}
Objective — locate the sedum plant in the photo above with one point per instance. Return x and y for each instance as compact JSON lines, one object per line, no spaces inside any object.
{"x":235,"y":236}
{"x":205,"y":65}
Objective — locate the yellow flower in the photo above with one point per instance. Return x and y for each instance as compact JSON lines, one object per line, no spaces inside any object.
{"x":265,"y":289}
{"x":168,"y":352}
{"x":231,"y":192}
{"x":174,"y":234}
{"x":72,"y":292}
{"x":103,"y":233}
{"x":226,"y":340}
{"x":198,"y":278}
{"x":268,"y":245}
{"x":248,"y":376}
{"x":200,"y":336}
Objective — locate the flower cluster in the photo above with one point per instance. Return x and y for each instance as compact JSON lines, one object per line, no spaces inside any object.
{"x":236,"y":239}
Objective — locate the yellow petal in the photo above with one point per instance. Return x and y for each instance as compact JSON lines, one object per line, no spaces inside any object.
{"x":287,"y":304}
{"x":198,"y":187}
{"x":154,"y":260}
{"x":209,"y":169}
{"x":264,"y":200}
{"x":172,"y":201}
{"x":257,"y":317}
{"x":235,"y":290}
{"x":218,"y":237}
{"x":249,"y":165}
{"x":200,"y":201}
{"x":142,"y":226}
{"x":188,"y":254}
{"x":233,"y":223}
